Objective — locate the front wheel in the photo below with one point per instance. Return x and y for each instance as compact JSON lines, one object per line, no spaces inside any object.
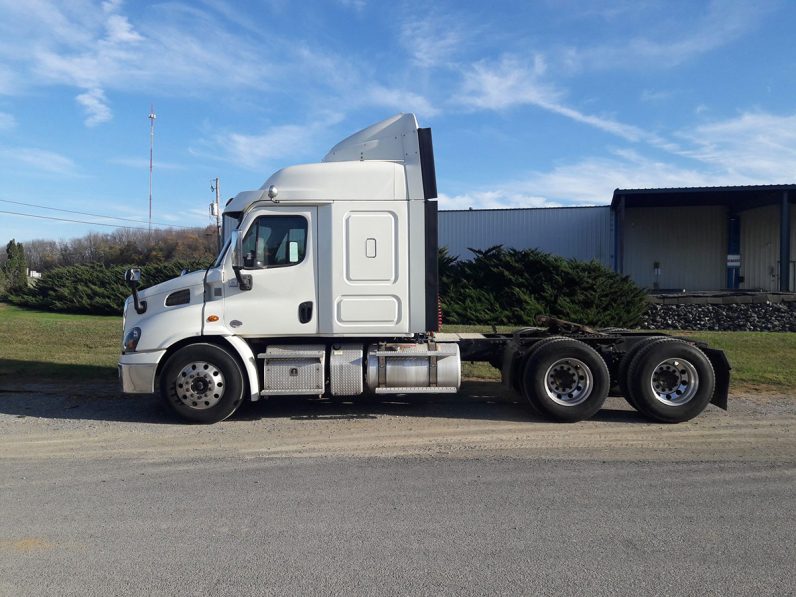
{"x":565,"y":379}
{"x":202,"y":383}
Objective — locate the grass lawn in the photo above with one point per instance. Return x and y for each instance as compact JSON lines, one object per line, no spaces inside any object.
{"x":53,"y":346}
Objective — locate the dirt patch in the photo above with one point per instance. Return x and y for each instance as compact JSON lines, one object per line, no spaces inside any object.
{"x":93,"y":421}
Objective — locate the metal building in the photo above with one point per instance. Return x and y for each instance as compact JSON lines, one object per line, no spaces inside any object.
{"x":578,"y":232}
{"x":707,"y":238}
{"x":690,"y":238}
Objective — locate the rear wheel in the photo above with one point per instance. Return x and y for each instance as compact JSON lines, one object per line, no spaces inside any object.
{"x":671,"y":381}
{"x":202,"y":383}
{"x":624,"y":367}
{"x":565,"y":380}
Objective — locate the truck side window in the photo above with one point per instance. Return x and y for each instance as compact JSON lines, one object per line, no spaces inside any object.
{"x":275,"y":241}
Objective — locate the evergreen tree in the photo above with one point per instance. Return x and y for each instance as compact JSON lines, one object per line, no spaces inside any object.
{"x":16,"y":269}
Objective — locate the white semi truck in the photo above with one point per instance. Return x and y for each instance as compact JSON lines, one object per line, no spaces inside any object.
{"x":327,"y":285}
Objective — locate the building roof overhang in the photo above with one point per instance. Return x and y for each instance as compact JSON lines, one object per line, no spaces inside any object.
{"x":735,"y":197}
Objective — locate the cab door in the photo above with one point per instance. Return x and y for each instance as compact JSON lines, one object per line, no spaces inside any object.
{"x":280,"y":255}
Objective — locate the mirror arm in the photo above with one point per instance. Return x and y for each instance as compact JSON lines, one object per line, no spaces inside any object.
{"x":140,"y":306}
{"x":133,"y":277}
{"x":244,"y":280}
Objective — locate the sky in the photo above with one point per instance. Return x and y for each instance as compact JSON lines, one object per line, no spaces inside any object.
{"x":531,"y":104}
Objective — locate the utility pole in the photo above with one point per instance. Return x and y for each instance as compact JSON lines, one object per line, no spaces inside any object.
{"x":215,"y":209}
{"x":152,"y":117}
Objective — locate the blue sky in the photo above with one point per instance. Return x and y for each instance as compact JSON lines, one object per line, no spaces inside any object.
{"x":539,"y":103}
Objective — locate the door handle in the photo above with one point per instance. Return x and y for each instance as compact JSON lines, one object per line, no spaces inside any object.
{"x":305,"y":312}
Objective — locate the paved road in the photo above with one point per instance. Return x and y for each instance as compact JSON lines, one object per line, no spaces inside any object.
{"x":398,"y":526}
{"x":100,"y":497}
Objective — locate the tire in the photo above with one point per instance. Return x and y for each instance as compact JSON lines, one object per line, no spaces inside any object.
{"x":203,"y":383}
{"x":671,"y":381}
{"x":565,"y":380}
{"x":624,"y":367}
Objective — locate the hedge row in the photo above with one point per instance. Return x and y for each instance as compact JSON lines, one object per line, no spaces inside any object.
{"x":499,"y":286}
{"x":93,"y":288}
{"x":509,"y":286}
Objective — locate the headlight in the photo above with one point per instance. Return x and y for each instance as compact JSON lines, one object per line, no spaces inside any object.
{"x":131,"y":340}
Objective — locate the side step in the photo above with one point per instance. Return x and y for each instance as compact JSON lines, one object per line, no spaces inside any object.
{"x":291,"y":392}
{"x":419,"y":390}
{"x":292,"y":354}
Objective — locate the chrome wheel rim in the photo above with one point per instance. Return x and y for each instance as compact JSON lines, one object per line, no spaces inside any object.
{"x":568,"y":382}
{"x":200,"y":385}
{"x":674,"y":382}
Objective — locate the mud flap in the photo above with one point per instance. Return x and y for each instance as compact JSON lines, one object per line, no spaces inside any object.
{"x":722,"y":367}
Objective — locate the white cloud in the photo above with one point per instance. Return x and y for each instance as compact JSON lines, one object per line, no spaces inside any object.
{"x":669,"y":41}
{"x":40,"y":160}
{"x":7,"y":121}
{"x":120,"y":30}
{"x":507,"y":83}
{"x":504,"y":198}
{"x":755,"y":146}
{"x":592,"y":180}
{"x":399,"y":100}
{"x":432,"y":41}
{"x":257,"y":152}
{"x":511,"y":82}
{"x":95,"y":105}
{"x":178,"y":49}
{"x":96,"y":48}
{"x":357,"y":5}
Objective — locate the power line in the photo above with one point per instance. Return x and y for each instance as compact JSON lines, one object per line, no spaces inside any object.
{"x":85,"y":213}
{"x":16,"y":213}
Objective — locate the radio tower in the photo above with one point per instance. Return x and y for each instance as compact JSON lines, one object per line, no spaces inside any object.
{"x":152,"y":117}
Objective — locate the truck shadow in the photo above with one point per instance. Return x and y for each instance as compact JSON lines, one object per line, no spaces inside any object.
{"x":101,"y":400}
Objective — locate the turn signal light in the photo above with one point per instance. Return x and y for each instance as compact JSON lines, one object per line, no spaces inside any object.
{"x":212,"y":318}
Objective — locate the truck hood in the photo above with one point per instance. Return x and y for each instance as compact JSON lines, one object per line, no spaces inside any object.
{"x":187,"y":281}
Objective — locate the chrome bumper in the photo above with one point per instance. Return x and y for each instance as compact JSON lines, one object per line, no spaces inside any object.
{"x":137,"y":372}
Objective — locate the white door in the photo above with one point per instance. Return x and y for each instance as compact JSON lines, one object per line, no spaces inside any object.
{"x":279,"y":253}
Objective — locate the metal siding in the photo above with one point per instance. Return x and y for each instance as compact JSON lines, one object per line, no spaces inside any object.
{"x":690,"y":243}
{"x":577,"y":232}
{"x":760,"y":247}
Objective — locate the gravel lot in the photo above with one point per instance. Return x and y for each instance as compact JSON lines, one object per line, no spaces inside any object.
{"x":85,"y":421}
{"x":470,"y":494}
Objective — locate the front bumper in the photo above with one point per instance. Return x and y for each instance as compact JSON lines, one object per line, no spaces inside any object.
{"x":137,"y":371}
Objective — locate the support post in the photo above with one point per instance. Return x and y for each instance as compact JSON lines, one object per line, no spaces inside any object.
{"x":619,"y":236}
{"x":784,"y":243}
{"x":733,"y":248}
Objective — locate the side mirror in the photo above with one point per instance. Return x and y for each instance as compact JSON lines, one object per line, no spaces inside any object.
{"x":236,"y":244}
{"x":292,"y":251}
{"x":133,"y":278}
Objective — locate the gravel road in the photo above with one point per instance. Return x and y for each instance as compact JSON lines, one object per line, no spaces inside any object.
{"x":468,"y":494}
